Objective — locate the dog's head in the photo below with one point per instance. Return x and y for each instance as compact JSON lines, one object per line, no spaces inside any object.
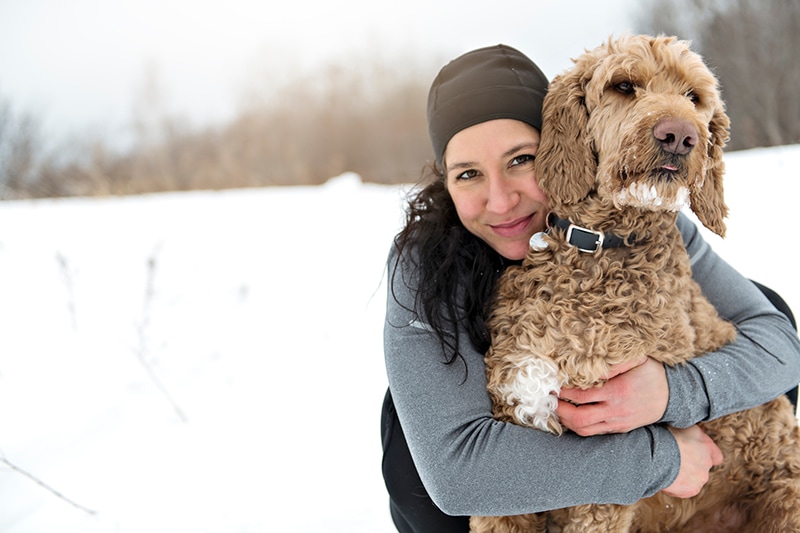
{"x":640,"y":121}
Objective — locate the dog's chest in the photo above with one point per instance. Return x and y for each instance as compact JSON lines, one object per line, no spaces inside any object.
{"x":625,"y":279}
{"x":589,"y":311}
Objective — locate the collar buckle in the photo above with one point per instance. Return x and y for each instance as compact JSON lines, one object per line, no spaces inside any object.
{"x":587,"y":240}
{"x":584,"y":239}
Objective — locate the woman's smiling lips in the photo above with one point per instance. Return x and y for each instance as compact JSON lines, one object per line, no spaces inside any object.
{"x":513,"y":228}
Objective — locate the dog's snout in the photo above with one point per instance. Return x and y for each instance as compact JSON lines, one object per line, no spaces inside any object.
{"x":675,"y":136}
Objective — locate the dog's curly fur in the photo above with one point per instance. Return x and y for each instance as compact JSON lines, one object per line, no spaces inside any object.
{"x":631,"y":132}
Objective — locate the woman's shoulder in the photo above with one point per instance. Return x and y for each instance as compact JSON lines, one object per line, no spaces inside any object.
{"x":693,"y":240}
{"x":685,"y":225}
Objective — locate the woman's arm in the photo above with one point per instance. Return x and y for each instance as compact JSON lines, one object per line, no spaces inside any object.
{"x":761,"y":364}
{"x":472,"y":464}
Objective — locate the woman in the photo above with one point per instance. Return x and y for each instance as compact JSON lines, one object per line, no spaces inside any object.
{"x":473,"y":219}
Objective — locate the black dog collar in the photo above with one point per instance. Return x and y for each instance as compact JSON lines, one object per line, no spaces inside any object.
{"x":584,"y":239}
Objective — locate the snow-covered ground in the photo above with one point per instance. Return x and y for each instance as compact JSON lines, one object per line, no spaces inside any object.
{"x":212,"y":361}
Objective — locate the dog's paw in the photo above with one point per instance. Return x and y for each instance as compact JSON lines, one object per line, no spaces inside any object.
{"x":533,"y":391}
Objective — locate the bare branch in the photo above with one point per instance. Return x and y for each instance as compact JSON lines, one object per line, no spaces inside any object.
{"x":44,"y":485}
{"x":141,"y":350}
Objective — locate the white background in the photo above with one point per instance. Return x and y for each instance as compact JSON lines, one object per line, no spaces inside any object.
{"x":261,"y":313}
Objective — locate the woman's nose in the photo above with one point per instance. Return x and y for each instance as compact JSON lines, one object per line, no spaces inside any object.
{"x":501,"y":196}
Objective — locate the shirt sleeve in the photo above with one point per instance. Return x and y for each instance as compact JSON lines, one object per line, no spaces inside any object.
{"x":472,"y":464}
{"x":761,"y":364}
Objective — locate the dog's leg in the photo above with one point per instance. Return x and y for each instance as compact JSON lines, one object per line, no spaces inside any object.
{"x":526,"y":523}
{"x":599,"y":519}
{"x":774,"y":464}
{"x":779,"y":511}
{"x":760,"y":478}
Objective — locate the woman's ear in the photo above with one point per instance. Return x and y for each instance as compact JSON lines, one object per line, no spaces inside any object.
{"x":707,"y":199}
{"x":565,"y":163}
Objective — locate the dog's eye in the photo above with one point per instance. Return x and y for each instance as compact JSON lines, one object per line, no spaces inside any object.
{"x":691,"y":95}
{"x":625,"y":87}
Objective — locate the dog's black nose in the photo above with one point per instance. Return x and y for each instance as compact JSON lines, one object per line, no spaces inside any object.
{"x":676,"y":136}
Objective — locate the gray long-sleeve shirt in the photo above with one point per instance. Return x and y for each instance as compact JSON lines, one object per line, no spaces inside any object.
{"x":472,"y":464}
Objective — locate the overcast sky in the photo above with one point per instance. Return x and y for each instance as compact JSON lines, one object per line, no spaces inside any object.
{"x":79,"y":64}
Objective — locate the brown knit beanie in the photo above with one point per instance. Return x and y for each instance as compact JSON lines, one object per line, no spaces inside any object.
{"x":484,"y":84}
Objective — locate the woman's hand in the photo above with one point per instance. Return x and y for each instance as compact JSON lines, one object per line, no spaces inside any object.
{"x":635,"y":395}
{"x":698,"y":455}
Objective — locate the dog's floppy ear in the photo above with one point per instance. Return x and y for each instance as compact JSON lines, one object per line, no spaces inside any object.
{"x":706,"y":197}
{"x":565,"y":162}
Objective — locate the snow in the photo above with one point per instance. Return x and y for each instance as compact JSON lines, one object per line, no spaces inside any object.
{"x":259,"y":313}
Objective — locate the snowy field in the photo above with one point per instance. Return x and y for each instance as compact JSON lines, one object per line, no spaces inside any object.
{"x":212,"y":361}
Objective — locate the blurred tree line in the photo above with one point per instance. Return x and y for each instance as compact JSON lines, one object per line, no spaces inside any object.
{"x":369,"y":117}
{"x":364,"y":117}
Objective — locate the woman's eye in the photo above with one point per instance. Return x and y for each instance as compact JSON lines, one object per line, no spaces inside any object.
{"x":467,"y":174}
{"x":522,"y":159}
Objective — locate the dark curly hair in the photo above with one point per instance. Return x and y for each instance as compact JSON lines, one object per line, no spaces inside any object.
{"x":455,"y":271}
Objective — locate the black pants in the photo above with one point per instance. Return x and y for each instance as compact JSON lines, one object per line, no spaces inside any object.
{"x":411,"y":508}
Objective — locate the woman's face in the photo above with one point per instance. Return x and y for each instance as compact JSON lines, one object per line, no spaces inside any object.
{"x":489,"y":174}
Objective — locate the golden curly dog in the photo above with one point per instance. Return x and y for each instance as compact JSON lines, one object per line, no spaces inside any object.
{"x":631,"y":133}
